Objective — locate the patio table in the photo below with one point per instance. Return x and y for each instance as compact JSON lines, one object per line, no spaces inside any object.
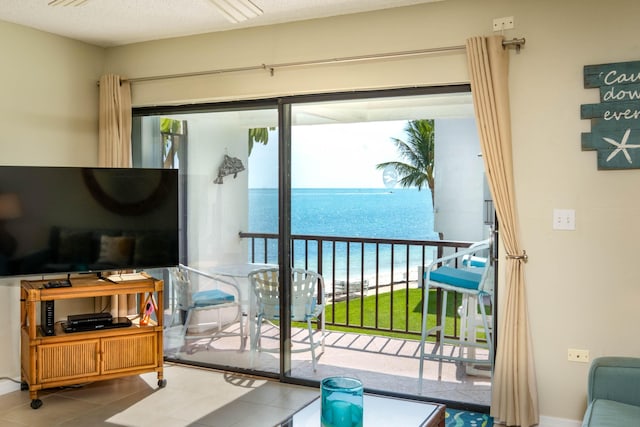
{"x":238,"y":275}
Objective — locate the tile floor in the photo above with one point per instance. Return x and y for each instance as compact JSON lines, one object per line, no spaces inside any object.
{"x":193,"y":397}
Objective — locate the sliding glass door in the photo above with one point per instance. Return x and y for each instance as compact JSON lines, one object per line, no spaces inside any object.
{"x":354,"y":192}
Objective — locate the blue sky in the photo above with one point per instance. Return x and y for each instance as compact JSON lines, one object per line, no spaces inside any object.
{"x":329,"y":156}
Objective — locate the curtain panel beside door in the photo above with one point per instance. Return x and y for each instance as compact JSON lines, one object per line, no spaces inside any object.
{"x":514,"y":392}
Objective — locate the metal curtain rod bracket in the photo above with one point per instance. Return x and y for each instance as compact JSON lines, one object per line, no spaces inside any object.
{"x":518,"y":43}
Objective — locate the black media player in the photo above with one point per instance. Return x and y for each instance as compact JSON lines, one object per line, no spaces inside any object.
{"x":117,"y":322}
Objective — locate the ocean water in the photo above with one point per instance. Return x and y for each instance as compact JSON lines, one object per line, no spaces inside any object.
{"x":374,"y":213}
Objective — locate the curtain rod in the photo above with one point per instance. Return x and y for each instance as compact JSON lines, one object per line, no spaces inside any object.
{"x":518,"y":43}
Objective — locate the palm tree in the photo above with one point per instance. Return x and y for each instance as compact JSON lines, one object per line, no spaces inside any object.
{"x":418,"y":155}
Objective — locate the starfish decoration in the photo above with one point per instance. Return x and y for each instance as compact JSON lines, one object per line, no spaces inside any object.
{"x":621,"y":146}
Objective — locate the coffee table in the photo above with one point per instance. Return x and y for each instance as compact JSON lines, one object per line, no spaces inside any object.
{"x":379,"y":411}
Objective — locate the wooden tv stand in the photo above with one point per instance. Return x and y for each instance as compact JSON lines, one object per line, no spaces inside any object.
{"x":73,"y":358}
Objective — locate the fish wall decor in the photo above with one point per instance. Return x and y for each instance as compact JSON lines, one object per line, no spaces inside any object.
{"x":230,"y":166}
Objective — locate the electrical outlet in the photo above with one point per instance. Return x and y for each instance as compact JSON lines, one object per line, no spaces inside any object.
{"x":505,"y":23}
{"x":575,"y":355}
{"x":564,"y":219}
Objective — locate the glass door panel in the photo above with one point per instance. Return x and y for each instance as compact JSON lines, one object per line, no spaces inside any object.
{"x":377,"y":185}
{"x":228,"y":163}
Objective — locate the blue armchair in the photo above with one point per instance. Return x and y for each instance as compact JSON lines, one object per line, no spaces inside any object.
{"x":614,"y":393}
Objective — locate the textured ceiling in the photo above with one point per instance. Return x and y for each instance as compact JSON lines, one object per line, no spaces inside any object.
{"x":117,"y":22}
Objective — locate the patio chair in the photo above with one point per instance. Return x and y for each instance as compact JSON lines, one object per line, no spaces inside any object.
{"x":469,"y":273}
{"x":207,"y":313}
{"x":307,"y":304}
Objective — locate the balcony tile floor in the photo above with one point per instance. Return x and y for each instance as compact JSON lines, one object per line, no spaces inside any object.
{"x":385,"y":364}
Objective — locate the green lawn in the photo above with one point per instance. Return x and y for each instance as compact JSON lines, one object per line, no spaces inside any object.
{"x":401,"y":306}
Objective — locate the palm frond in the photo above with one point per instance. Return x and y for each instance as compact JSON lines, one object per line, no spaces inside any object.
{"x":418,"y":155}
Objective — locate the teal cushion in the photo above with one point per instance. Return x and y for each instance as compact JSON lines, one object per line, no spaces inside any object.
{"x":456,"y":277}
{"x":474,"y":261}
{"x":211,"y":297}
{"x":608,"y":413}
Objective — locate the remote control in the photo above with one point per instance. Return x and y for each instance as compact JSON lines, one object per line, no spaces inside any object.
{"x":57,"y":284}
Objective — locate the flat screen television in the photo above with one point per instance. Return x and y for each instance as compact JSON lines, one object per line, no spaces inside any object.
{"x":73,"y":219}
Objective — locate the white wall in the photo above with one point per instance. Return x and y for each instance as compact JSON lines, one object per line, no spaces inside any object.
{"x":459,"y":177}
{"x":581,"y":285}
{"x":217,"y":212}
{"x":49,"y":99}
{"x":48,"y":116}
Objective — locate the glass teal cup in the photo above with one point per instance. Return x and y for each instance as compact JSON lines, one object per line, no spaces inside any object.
{"x":342,"y":402}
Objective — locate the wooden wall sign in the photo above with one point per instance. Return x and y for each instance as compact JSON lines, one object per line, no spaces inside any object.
{"x":615,"y":121}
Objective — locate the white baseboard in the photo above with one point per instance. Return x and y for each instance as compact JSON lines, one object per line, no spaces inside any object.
{"x":558,"y":422}
{"x":7,"y":386}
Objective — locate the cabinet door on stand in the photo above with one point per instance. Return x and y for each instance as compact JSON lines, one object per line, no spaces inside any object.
{"x":129,"y":352}
{"x":68,"y":360}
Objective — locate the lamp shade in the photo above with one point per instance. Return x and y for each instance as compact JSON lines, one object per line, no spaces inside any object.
{"x":10,"y":207}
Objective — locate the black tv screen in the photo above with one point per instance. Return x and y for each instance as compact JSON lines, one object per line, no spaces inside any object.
{"x":72,"y":219}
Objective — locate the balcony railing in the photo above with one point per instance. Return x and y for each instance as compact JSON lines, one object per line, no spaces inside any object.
{"x":354,"y":267}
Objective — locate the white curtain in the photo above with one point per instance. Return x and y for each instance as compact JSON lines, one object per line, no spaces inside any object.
{"x":114,"y":150}
{"x":514,"y":399}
